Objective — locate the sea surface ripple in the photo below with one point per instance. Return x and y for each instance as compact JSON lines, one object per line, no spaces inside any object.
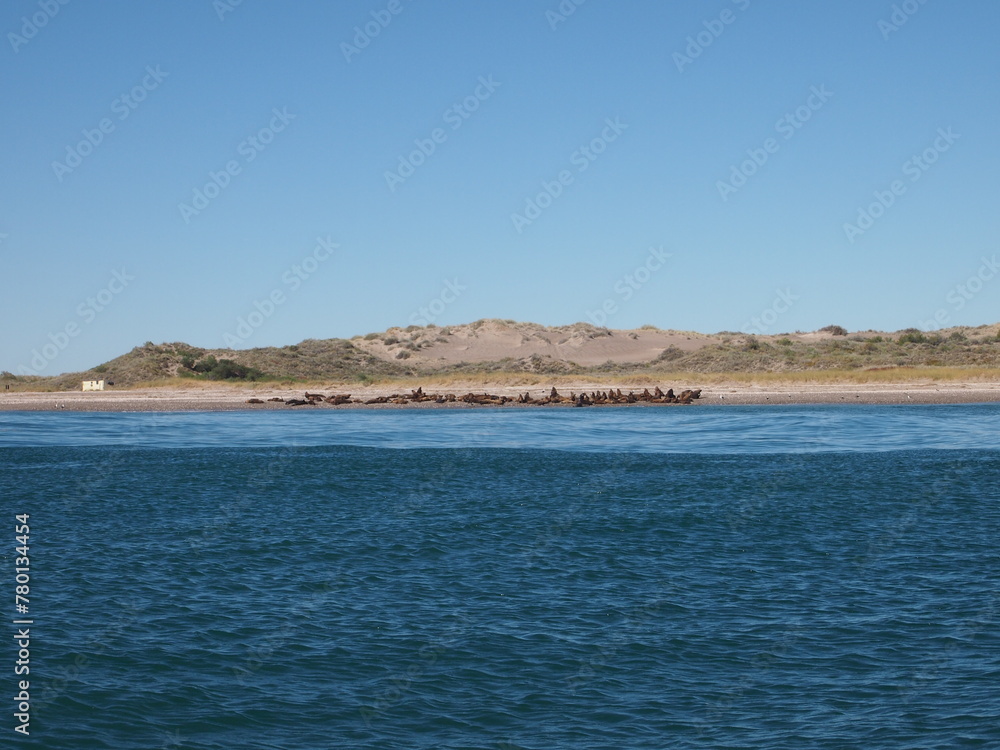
{"x":693,"y":429}
{"x":730,"y":578}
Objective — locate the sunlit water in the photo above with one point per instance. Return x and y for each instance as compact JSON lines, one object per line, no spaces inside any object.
{"x":693,"y":429}
{"x":775,"y":577}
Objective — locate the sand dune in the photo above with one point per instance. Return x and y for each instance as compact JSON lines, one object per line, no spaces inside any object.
{"x":493,"y":340}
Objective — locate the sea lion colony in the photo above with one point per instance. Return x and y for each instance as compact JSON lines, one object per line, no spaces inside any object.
{"x":594,"y":398}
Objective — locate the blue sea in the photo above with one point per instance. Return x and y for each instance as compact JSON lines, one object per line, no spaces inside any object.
{"x":701,"y":577}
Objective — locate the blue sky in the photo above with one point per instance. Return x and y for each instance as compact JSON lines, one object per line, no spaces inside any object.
{"x":255,"y":173}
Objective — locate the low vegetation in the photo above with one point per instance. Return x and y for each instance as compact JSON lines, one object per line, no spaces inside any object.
{"x":836,"y":355}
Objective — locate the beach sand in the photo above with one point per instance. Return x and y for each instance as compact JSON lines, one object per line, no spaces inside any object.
{"x":235,"y":398}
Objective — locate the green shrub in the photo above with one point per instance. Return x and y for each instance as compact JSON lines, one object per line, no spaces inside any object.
{"x":225,"y":369}
{"x":835,"y":330}
{"x":912,"y":336}
{"x":670,"y":353}
{"x":205,"y":365}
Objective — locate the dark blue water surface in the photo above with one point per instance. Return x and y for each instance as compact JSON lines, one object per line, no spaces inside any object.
{"x":780,"y":577}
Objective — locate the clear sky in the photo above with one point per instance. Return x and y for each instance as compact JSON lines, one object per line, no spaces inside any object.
{"x":257,"y":173}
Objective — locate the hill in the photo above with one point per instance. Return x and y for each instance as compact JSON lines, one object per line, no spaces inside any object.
{"x":493,"y":347}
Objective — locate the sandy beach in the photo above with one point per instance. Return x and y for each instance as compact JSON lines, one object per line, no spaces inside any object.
{"x":235,"y":399}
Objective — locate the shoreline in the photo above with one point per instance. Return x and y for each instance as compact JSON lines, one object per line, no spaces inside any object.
{"x":235,"y":399}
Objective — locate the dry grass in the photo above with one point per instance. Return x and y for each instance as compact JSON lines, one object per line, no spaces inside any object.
{"x":680,"y":379}
{"x":485,"y":381}
{"x":960,"y":354}
{"x":835,"y":377}
{"x":192,"y":384}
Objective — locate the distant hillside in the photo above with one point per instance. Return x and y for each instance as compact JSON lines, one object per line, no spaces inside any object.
{"x":495,"y":346}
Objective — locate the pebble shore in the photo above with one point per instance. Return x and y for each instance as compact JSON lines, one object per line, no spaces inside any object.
{"x":235,"y":399}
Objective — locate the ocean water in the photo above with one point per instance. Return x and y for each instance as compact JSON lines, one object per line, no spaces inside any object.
{"x":738,"y":577}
